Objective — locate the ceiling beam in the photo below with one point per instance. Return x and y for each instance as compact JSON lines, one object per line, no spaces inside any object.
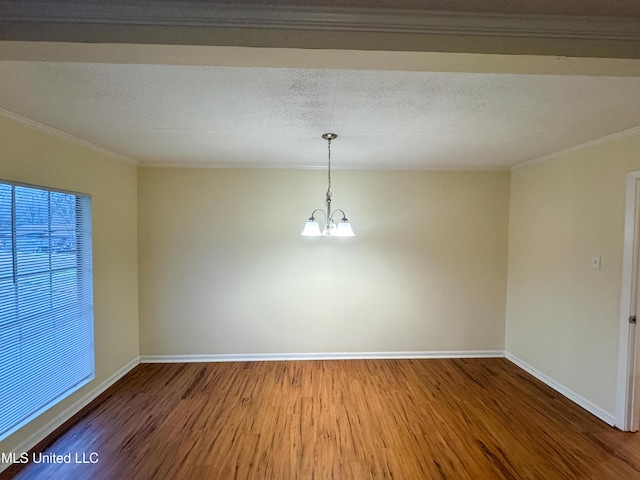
{"x":206,"y":23}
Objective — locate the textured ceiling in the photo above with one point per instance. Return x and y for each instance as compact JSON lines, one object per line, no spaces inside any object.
{"x":230,"y":116}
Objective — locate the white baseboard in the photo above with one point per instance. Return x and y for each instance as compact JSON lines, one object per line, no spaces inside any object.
{"x":266,"y":357}
{"x":69,"y":412}
{"x":571,"y":395}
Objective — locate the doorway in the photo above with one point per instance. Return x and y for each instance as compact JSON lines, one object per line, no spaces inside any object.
{"x":628,"y":390}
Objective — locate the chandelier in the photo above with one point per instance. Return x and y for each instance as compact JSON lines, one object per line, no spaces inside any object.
{"x":312,"y":227}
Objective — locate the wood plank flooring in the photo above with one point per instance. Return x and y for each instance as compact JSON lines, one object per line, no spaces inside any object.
{"x":354,"y":419}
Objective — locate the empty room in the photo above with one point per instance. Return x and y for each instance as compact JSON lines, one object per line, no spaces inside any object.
{"x":297,"y":240}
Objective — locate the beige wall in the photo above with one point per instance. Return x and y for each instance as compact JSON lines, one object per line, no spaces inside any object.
{"x":223,"y":268}
{"x":30,"y":156}
{"x":562,"y":315}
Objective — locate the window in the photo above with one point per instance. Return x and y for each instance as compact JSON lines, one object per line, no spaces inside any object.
{"x":46,"y":300}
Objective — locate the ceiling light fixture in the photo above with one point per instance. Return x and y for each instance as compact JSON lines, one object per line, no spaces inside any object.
{"x":312,"y":227}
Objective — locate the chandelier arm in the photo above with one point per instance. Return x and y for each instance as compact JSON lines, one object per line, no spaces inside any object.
{"x":344,"y":216}
{"x":312,"y":217}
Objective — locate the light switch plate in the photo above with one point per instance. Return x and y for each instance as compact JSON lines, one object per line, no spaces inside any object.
{"x":595,"y":262}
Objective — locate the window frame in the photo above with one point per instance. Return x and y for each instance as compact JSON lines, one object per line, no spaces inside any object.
{"x":83,"y":255}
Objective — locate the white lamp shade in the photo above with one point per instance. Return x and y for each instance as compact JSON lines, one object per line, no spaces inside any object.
{"x":344,"y":230}
{"x":311,"y":229}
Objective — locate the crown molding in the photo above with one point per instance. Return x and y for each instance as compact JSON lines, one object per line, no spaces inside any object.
{"x":213,"y":15}
{"x":575,"y":148}
{"x":347,"y":168}
{"x":67,"y":137}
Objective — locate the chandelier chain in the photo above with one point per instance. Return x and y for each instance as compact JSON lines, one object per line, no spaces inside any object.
{"x":329,"y":170}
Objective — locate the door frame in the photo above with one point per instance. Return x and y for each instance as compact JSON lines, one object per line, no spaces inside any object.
{"x":627,"y":403}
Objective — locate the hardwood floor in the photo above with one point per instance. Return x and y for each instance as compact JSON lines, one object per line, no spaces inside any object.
{"x":353,"y":419}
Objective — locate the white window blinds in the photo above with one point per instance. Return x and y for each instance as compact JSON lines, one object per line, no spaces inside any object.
{"x":46,"y":300}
